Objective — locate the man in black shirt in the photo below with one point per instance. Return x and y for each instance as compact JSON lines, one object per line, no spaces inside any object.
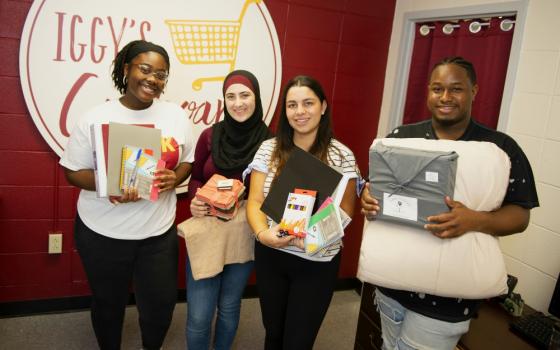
{"x":422,"y":321}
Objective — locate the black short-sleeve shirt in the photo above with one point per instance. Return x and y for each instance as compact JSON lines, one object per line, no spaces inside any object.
{"x":521,"y":191}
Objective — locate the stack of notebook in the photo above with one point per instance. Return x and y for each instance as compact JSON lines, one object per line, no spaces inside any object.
{"x":138,"y":170}
{"x":324,"y":226}
{"x":222,"y":196}
{"x":110,"y":142}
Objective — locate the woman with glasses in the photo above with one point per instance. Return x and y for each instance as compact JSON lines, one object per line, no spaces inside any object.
{"x":127,"y":239}
{"x":295,"y":289}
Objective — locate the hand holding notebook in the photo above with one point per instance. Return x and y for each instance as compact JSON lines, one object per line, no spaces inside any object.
{"x":138,"y":169}
{"x":302,"y":170}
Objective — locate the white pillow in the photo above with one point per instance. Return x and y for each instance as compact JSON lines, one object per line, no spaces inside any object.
{"x":470,"y":266}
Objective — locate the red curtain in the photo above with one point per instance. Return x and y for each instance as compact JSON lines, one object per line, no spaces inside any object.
{"x":488,"y":50}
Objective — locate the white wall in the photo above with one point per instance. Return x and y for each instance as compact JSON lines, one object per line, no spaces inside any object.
{"x":534,"y":122}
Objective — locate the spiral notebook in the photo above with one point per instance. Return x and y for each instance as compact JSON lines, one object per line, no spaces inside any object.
{"x":138,"y":169}
{"x":121,"y":135}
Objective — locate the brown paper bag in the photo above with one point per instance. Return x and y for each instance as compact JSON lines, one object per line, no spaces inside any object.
{"x":213,"y":243}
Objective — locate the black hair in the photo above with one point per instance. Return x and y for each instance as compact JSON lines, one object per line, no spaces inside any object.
{"x":461,"y":62}
{"x":127,"y":54}
{"x":285,"y":132}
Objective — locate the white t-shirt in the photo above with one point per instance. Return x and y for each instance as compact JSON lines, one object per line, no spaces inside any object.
{"x":133,"y":220}
{"x":339,"y":157}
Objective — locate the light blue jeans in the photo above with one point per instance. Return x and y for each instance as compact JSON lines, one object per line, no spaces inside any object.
{"x":403,"y":329}
{"x":222,"y":292}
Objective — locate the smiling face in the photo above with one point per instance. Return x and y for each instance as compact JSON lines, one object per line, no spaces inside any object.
{"x":240,"y":102}
{"x":146,"y":75}
{"x":304,"y":110}
{"x":450,"y":95}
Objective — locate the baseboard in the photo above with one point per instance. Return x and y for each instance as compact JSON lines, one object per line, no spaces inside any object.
{"x":71,"y":304}
{"x":44,"y":306}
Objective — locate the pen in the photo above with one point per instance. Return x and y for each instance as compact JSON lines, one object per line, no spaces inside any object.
{"x":135,"y":170}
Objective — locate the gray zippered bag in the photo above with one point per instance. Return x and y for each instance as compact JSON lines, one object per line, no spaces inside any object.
{"x":411,"y":184}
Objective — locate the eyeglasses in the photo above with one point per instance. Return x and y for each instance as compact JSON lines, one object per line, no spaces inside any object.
{"x":146,"y":69}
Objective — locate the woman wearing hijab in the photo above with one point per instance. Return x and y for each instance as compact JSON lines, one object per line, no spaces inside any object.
{"x":226,"y":148}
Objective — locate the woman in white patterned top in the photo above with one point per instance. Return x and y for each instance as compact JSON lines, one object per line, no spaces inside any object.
{"x":294,"y":289}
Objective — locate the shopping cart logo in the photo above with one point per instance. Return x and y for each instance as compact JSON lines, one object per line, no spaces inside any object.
{"x":67,"y":49}
{"x":207,"y":42}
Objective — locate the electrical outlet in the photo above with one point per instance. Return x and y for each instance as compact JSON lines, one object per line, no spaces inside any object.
{"x":55,"y":243}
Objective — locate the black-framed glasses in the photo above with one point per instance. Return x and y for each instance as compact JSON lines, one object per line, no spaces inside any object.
{"x":146,"y":69}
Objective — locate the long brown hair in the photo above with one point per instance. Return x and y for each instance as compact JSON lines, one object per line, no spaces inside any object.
{"x":285,"y":132}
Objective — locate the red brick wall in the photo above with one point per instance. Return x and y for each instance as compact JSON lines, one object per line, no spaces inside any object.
{"x":343,"y":43}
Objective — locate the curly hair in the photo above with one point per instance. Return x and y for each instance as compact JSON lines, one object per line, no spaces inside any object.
{"x":127,"y":54}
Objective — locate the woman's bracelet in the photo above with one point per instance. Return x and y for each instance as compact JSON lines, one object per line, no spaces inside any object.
{"x":258,"y":233}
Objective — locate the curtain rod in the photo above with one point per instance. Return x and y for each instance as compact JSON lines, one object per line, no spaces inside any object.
{"x":474,"y":27}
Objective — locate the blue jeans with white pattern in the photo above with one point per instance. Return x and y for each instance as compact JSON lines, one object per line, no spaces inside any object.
{"x":404,"y":329}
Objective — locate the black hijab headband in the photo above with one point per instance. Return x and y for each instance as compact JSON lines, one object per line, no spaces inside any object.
{"x":238,"y":76}
{"x":234,"y":143}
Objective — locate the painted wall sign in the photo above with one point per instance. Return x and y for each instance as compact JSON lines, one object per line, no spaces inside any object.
{"x":67,"y":49}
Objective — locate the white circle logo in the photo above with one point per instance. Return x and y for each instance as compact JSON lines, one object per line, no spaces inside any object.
{"x":67,"y":48}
